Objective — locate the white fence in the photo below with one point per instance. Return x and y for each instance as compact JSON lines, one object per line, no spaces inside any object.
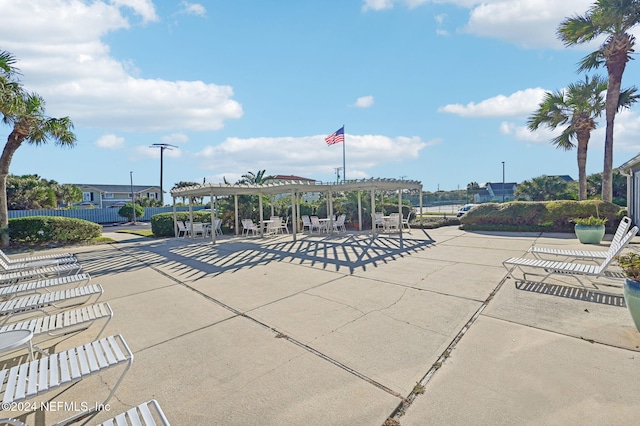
{"x":97,"y":215}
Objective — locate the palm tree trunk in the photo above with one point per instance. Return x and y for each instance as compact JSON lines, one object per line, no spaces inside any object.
{"x":583,"y":143}
{"x":615,"y":68}
{"x":14,"y":141}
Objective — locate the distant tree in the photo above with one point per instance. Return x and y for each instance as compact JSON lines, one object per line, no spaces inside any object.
{"x":25,"y":112}
{"x":619,"y":183}
{"x":148,"y":202}
{"x":255,"y":178}
{"x":68,"y":194}
{"x":543,"y":188}
{"x":127,"y":211}
{"x":183,"y":184}
{"x":613,"y":18}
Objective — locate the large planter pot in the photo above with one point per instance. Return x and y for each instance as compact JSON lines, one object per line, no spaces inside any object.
{"x":632,"y":299}
{"x":589,"y":234}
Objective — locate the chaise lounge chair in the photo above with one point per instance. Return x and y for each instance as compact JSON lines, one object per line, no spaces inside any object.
{"x":63,"y":257}
{"x":36,"y":286}
{"x":548,"y":268}
{"x":623,"y":227}
{"x":65,"y":368}
{"x":146,"y":414}
{"x":12,"y":277}
{"x":41,"y":301}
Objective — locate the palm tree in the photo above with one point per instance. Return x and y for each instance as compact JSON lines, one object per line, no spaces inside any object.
{"x":575,"y":107}
{"x":613,"y":18}
{"x":255,"y":178}
{"x":26,"y":113}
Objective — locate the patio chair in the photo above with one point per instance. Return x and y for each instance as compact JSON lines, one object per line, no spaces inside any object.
{"x":12,"y":277}
{"x":59,"y":258}
{"x":594,"y":255}
{"x":548,"y":268}
{"x":249,"y":226}
{"x":197,"y":229}
{"x":378,"y":220}
{"x":182,"y":229}
{"x":405,"y":222}
{"x":393,"y":222}
{"x":39,"y":302}
{"x":28,"y":380}
{"x":42,"y":285}
{"x":338,"y":225}
{"x":217,"y":224}
{"x":284,"y":226}
{"x":35,"y":264}
{"x":315,"y":224}
{"x":306,"y":223}
{"x":274,"y":225}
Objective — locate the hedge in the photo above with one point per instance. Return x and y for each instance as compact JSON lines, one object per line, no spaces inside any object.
{"x":52,"y":228}
{"x":162,"y":224}
{"x":549,"y":216}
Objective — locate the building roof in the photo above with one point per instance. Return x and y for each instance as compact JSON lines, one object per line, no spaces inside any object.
{"x":631,"y":163}
{"x":292,"y":177}
{"x":118,"y":188}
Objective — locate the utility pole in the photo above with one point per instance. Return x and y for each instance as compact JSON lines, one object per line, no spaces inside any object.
{"x":162,"y":147}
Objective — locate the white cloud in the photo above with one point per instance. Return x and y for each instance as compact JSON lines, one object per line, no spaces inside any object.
{"x":520,"y":103}
{"x":175,"y":138}
{"x":364,"y":102}
{"x":62,"y":57}
{"x":110,"y":142}
{"x":192,"y":8}
{"x":289,"y":155}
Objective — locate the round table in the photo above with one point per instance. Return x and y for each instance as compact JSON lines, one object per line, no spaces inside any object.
{"x":14,"y":339}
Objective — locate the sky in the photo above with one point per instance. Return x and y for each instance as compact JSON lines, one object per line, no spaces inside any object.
{"x":437,"y":91}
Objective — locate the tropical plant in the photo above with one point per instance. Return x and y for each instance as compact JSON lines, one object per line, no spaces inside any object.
{"x":25,"y":112}
{"x":630,"y":265}
{"x":543,"y":188}
{"x":589,"y":221}
{"x":251,"y":178}
{"x":613,"y":18}
{"x":575,"y":108}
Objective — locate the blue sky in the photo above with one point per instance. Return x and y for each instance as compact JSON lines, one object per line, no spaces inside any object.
{"x":436,"y":91}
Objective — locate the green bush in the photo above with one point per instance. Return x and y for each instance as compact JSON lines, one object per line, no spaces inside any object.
{"x":52,"y":228}
{"x":127,"y":211}
{"x":552,"y":216}
{"x":162,"y":223}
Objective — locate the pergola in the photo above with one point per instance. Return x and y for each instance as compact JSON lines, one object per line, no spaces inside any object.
{"x":295,"y":188}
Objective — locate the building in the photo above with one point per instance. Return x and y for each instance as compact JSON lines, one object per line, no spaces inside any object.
{"x":631,"y":169}
{"x":496,"y":192}
{"x":307,"y":197}
{"x":103,"y":196}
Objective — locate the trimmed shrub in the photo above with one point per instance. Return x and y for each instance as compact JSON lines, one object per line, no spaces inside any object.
{"x":550,"y":216}
{"x":162,"y":224}
{"x":126,"y":211}
{"x":52,"y":228}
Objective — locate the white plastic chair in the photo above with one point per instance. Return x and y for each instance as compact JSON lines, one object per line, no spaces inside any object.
{"x":338,"y":225}
{"x":198,"y":229}
{"x":249,"y":226}
{"x":182,"y":229}
{"x":284,"y":226}
{"x":306,"y":223}
{"x":61,"y":258}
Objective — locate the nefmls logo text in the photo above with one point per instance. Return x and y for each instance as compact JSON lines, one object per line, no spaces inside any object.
{"x":73,"y":406}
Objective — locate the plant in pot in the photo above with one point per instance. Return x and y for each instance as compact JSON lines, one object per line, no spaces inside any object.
{"x":630,"y":264}
{"x":589,"y":230}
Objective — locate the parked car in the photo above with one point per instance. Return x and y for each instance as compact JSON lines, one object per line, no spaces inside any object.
{"x":464,"y":209}
{"x":118,"y":204}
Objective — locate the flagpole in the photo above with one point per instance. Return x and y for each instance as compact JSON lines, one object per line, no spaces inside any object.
{"x":344,"y":168}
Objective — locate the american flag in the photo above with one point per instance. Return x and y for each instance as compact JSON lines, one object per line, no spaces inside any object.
{"x":335,"y":137}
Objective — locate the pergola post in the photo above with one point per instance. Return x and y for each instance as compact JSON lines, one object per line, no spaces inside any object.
{"x":294,"y":216}
{"x":401,"y":215}
{"x":175,"y":219}
{"x":359,"y":211}
{"x":373,"y":211}
{"x":235,"y":202}
{"x":330,"y":210}
{"x":213,"y":217}
{"x":260,"y":219}
{"x":191,"y":217}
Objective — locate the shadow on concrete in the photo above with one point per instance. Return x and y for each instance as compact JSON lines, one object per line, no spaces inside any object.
{"x":569,"y":292}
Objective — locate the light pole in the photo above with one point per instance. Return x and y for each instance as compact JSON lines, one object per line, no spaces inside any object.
{"x":162,"y":147}
{"x":133,"y":198}
{"x":503,"y":181}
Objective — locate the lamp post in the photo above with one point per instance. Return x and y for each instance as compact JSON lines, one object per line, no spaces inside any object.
{"x":133,"y":198}
{"x":503,"y":181}
{"x":162,"y":147}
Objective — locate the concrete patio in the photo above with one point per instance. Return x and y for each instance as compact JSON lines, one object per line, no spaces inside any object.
{"x":346,"y":330}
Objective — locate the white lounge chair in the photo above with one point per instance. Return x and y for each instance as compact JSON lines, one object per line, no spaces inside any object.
{"x":28,"y":380}
{"x":541,"y":252}
{"x":41,"y":301}
{"x":548,"y":268}
{"x":10,"y":277}
{"x":65,"y":322}
{"x":64,"y":257}
{"x":146,"y":414}
{"x":37,"y":286}
{"x":18,"y":266}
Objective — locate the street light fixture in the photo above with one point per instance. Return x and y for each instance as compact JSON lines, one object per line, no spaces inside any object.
{"x":162,"y":147}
